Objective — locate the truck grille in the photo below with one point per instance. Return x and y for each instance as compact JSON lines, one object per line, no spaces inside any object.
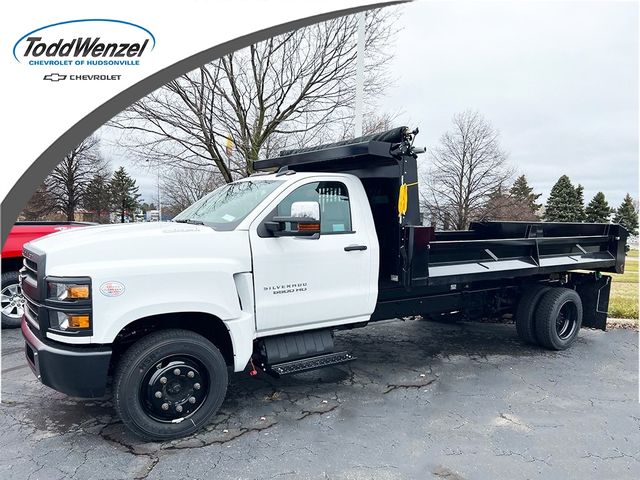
{"x":31,"y":312}
{"x":31,"y":268}
{"x":31,"y":286}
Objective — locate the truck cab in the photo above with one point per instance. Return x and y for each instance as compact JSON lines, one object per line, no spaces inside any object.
{"x":258,"y":274}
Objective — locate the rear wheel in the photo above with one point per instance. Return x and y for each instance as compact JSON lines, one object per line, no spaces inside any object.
{"x":558,"y":318}
{"x":525,"y":313}
{"x":11,"y":300}
{"x":169,"y":384}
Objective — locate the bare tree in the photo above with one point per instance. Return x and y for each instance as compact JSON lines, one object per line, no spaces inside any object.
{"x":466,"y":169}
{"x":69,"y":180}
{"x":289,"y":90}
{"x":183,"y":186}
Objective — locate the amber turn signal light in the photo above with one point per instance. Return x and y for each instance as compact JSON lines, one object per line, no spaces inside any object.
{"x":79,"y":321}
{"x":78,"y":291}
{"x":308,"y":227}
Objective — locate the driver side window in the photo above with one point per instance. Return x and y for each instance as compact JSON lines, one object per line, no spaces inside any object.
{"x":333,"y":197}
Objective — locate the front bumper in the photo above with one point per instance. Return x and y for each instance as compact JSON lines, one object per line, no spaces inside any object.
{"x":76,"y":371}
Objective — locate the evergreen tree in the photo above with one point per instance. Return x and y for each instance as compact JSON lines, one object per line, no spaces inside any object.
{"x":124,"y":193}
{"x":598,"y":210}
{"x":523,"y":194}
{"x":41,"y":204}
{"x":627,"y":216}
{"x":97,"y":196}
{"x":564,"y":203}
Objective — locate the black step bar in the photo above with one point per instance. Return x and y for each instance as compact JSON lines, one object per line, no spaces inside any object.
{"x":310,"y":363}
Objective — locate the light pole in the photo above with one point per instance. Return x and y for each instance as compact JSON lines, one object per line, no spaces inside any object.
{"x":158,"y":186}
{"x":359,"y":76}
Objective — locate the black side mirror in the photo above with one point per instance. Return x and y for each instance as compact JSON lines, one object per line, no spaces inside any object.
{"x":304,"y":221}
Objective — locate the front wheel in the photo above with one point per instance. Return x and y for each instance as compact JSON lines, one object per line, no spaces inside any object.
{"x":169,"y":384}
{"x":11,"y":300}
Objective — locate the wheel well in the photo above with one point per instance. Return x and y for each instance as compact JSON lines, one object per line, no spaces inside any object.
{"x":207,"y":325}
{"x":11,"y":264}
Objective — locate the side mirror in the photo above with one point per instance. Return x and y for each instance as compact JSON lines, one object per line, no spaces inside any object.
{"x":304,"y":221}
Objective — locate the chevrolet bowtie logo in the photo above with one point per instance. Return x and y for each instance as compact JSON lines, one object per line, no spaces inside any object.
{"x":54,"y":77}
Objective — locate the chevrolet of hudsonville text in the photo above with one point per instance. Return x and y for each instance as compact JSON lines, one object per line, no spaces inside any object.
{"x":258,"y":275}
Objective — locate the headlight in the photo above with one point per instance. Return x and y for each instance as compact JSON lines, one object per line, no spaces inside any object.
{"x":69,"y":321}
{"x":68,"y":291}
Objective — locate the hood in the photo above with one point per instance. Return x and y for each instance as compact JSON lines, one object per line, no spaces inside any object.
{"x":137,"y":242}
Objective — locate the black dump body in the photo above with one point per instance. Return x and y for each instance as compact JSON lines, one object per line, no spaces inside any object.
{"x":417,"y":261}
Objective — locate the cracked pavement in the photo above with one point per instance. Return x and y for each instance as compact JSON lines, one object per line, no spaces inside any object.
{"x":423,"y":400}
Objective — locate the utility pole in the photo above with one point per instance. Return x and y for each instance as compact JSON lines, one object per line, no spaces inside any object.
{"x":359,"y":76}
{"x":159,"y":200}
{"x":158,"y":187}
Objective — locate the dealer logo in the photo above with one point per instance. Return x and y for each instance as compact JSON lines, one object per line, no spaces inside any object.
{"x":99,"y":49}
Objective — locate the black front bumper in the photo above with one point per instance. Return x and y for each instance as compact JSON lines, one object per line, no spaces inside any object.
{"x":76,"y":371}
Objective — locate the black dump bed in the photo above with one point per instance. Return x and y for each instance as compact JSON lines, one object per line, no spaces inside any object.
{"x":492,"y":250}
{"x":417,"y":255}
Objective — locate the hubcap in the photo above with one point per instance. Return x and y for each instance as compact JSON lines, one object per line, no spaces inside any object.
{"x":174,"y":388}
{"x":566,"y":321}
{"x":12,"y":301}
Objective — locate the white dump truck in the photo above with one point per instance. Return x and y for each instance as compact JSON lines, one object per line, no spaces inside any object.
{"x":259,"y":274}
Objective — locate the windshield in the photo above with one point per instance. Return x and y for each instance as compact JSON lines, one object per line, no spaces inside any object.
{"x":226,"y":207}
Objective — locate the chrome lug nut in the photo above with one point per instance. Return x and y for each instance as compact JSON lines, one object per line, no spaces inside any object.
{"x":176,"y":371}
{"x":165,"y":406}
{"x":179,"y":408}
{"x":190,"y":374}
{"x":163,"y":380}
{"x":158,"y":394}
{"x":192,"y":399}
{"x":196,"y":386}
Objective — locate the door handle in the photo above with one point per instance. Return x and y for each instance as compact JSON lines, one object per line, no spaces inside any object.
{"x":351,"y":248}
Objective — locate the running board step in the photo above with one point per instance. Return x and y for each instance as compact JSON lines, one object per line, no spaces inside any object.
{"x":310,"y":363}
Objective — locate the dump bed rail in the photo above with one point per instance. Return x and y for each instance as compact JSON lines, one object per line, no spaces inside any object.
{"x":469,"y":258}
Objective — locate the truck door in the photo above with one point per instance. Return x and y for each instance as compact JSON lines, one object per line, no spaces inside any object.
{"x":329,"y":280}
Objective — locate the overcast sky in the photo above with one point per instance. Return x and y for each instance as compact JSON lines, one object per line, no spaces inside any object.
{"x":559,"y":80}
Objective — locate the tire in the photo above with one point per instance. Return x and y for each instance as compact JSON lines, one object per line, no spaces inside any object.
{"x":12,"y":301}
{"x":558,"y":318}
{"x":525,"y":313}
{"x":177,"y":365}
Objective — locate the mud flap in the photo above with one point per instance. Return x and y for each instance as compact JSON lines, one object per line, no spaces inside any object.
{"x":594,"y":290}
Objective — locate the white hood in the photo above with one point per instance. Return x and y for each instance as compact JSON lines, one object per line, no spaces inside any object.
{"x":71,"y":252}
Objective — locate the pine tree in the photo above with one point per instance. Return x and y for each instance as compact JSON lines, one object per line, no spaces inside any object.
{"x":41,"y":203}
{"x":97,"y":196}
{"x":598,"y":210}
{"x":523,"y":194}
{"x":564,"y":203}
{"x":627,"y":216}
{"x":124,"y":193}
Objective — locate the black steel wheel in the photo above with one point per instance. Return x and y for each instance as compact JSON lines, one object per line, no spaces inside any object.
{"x":174,"y":388}
{"x":526,"y":311}
{"x":558,"y":318}
{"x":169,"y":384}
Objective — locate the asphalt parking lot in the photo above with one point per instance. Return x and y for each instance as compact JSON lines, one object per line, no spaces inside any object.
{"x":423,"y":400}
